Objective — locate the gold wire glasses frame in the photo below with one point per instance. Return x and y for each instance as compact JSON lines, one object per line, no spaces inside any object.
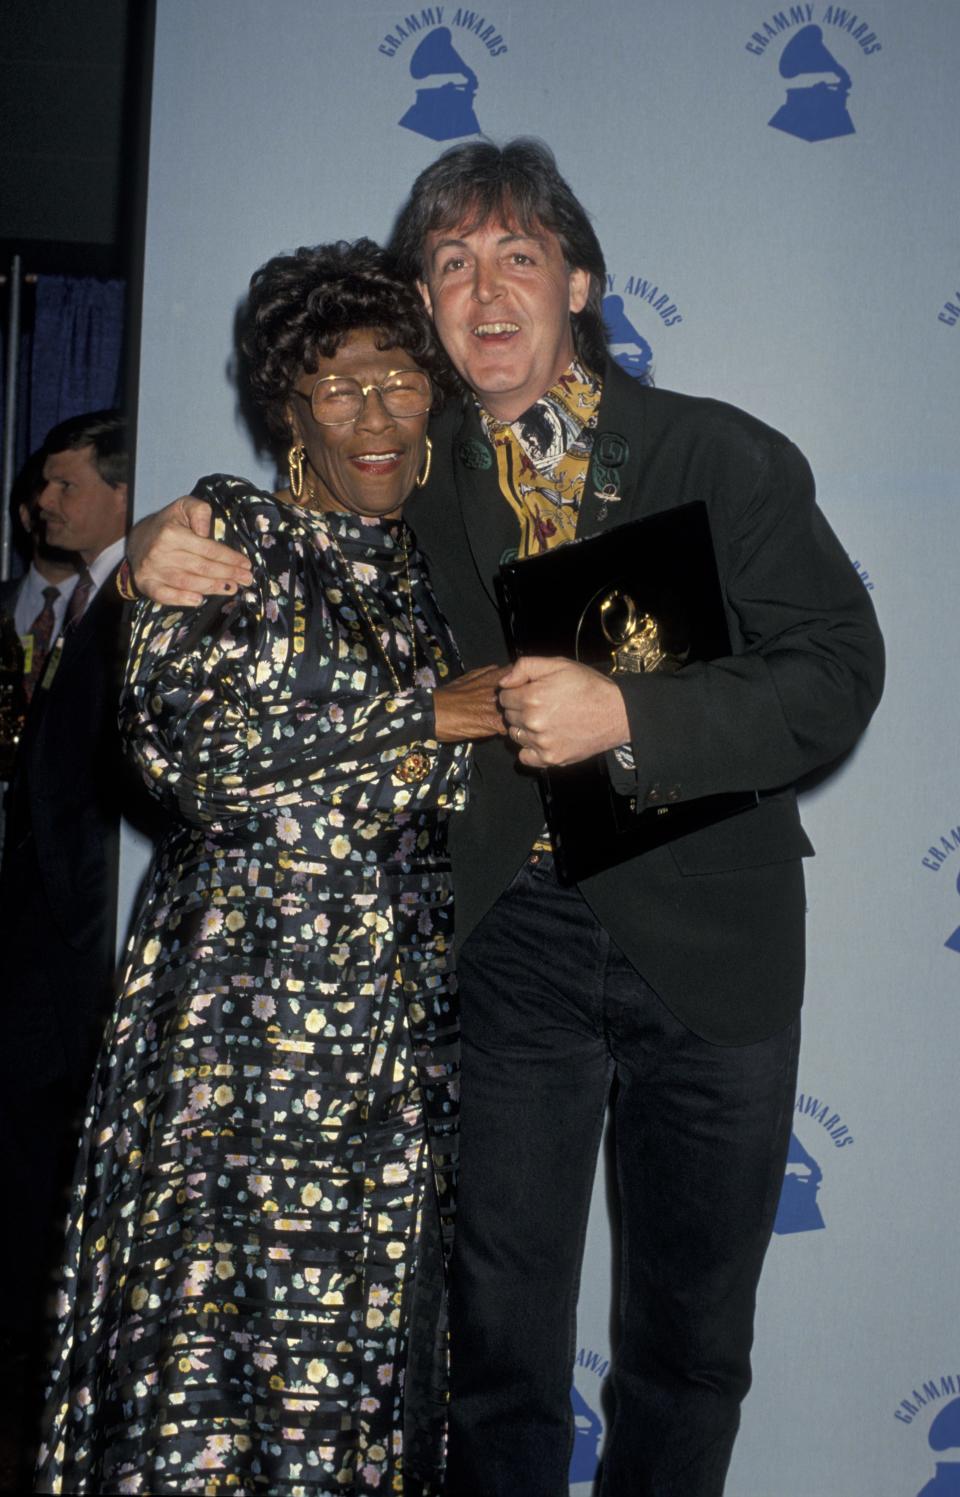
{"x":336,"y":400}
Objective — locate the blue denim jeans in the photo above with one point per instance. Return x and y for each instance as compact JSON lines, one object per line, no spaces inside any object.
{"x":556,"y":1022}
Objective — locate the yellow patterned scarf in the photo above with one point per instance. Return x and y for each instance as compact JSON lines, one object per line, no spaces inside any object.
{"x":542,"y":461}
{"x":543,"y":456}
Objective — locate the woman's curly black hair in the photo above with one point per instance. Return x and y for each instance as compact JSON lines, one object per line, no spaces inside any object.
{"x":302,"y":306}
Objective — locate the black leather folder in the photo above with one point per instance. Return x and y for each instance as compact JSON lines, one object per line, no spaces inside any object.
{"x":641,"y":597}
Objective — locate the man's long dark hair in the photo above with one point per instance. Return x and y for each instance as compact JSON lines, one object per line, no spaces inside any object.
{"x":516,"y":184}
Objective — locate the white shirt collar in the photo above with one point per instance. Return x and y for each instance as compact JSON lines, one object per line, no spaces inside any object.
{"x":102,"y":565}
{"x":30,"y":599}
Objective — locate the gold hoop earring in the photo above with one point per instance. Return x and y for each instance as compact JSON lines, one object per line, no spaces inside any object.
{"x":425,"y":474}
{"x":295,"y":459}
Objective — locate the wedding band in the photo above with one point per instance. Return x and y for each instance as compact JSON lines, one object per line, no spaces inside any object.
{"x":517,"y":734}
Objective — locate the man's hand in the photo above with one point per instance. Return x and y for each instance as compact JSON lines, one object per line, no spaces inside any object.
{"x":468,"y":707}
{"x":560,"y":712}
{"x":173,"y":560}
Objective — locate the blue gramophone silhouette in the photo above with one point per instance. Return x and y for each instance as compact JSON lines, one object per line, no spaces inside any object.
{"x":588,"y":1431}
{"x":442,"y":111}
{"x":945,"y":1435}
{"x":798,"y":1210}
{"x":953,"y":942}
{"x":819,"y":110}
{"x":631,"y":351}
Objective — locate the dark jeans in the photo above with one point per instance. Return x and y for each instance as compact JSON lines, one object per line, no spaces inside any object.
{"x":552,"y":1013}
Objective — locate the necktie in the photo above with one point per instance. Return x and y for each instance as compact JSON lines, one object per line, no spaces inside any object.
{"x":42,"y":632}
{"x":78,"y":601}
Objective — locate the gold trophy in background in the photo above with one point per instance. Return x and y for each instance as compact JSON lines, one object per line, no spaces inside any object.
{"x":13,"y":701}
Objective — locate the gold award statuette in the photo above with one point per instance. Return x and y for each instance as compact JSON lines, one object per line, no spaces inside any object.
{"x":636,"y":638}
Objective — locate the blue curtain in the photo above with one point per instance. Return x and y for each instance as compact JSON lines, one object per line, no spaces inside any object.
{"x":21,"y":433}
{"x":77,"y":349}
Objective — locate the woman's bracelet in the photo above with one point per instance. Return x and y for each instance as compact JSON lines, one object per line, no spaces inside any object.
{"x":126,"y":586}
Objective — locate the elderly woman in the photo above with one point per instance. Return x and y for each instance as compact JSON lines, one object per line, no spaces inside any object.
{"x":253,"y":1298}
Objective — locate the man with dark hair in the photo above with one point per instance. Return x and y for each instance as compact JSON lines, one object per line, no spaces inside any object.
{"x":669,"y":985}
{"x":58,"y":879}
{"x":37,"y":601}
{"x":481,"y":184}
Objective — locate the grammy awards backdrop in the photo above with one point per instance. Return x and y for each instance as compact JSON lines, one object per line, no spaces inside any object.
{"x":775,"y":191}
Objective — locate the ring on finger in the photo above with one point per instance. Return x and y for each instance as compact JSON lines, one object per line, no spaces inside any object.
{"x":518,"y":734}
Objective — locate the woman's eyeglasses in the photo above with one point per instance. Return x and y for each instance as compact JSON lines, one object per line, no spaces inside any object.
{"x":338,"y":399}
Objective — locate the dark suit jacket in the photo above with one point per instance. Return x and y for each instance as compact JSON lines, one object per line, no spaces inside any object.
{"x":9,"y":593}
{"x":714,"y":921}
{"x":58,"y":902}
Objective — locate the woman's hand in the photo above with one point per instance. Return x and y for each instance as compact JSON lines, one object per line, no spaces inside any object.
{"x":174,"y":562}
{"x":468,"y":707}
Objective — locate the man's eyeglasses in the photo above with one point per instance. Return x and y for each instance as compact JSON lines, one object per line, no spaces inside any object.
{"x":337,"y":399}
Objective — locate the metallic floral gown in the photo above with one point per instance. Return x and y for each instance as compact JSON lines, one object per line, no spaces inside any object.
{"x":253,"y":1292}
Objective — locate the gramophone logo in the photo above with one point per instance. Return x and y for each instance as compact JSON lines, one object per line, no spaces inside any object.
{"x":943,"y":1435}
{"x":443,"y":84}
{"x":953,"y":940}
{"x":817,"y":90}
{"x":817,"y":84}
{"x":823,"y":1130}
{"x":629,"y":347}
{"x":638,"y":308}
{"x":589,"y":1370}
{"x":941,"y":854}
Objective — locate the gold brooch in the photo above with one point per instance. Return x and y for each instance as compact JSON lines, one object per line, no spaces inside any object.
{"x":413,"y":767}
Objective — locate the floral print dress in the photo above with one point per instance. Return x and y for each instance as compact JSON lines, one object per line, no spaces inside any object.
{"x":253,"y":1293}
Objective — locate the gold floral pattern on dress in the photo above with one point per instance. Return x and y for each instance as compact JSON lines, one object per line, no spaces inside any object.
{"x":253,"y":1293}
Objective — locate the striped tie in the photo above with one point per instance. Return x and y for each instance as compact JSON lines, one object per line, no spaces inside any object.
{"x":42,"y":631}
{"x":78,"y":601}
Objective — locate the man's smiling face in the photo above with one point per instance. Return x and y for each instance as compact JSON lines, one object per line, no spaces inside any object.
{"x":501,"y":299}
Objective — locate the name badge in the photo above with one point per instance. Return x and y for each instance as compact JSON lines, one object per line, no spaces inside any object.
{"x":50,"y":669}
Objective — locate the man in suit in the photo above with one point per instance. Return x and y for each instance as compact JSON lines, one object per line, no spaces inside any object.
{"x":37,"y":601}
{"x":57,"y":884}
{"x":32,"y":608}
{"x":670,"y":983}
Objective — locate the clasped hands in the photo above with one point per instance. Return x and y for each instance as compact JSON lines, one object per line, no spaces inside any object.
{"x":555,"y":710}
{"x":559,"y":712}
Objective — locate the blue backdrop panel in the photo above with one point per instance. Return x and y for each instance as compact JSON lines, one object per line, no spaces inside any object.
{"x":774,"y":192}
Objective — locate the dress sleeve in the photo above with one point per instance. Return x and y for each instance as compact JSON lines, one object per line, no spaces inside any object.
{"x":226,"y":716}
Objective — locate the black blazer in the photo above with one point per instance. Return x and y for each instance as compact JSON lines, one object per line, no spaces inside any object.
{"x":66,"y":791}
{"x":9,"y":593}
{"x":58,"y":900}
{"x":714,"y":921}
